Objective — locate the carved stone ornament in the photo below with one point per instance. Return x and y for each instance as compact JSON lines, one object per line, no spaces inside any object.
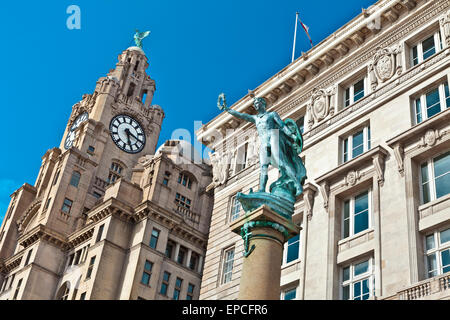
{"x":445,"y":23}
{"x":385,"y":63}
{"x":430,"y":137}
{"x":351,"y":178}
{"x":85,"y":105}
{"x":320,"y":106}
{"x":220,"y":163}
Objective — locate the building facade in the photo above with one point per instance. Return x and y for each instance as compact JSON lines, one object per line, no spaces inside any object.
{"x":372,"y":101}
{"x":110,"y":217}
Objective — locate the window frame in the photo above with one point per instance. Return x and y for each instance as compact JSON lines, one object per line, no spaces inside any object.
{"x":227,"y":266}
{"x":75,"y":178}
{"x":437,"y":37}
{"x":66,"y":205}
{"x":431,"y":178}
{"x":351,"y":226}
{"x":289,"y":290}
{"x":147,"y":272}
{"x":369,"y":274}
{"x":232,"y":212}
{"x":423,"y":102}
{"x":286,"y":251}
{"x":347,"y":142}
{"x":154,"y":237}
{"x":351,"y":91}
{"x":437,"y":249}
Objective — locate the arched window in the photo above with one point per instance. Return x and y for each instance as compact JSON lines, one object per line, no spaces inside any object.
{"x":186,"y":180}
{"x":75,"y":179}
{"x":63,"y":292}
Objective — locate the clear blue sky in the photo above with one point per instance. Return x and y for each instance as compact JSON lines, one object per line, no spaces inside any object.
{"x":196,"y":50}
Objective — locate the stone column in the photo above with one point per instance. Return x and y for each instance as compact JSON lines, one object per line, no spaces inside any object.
{"x":264,"y":233}
{"x":188,"y":258}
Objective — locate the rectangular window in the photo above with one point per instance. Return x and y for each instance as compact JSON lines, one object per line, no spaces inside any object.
{"x":165,"y":283}
{"x":75,"y":179}
{"x":55,"y":180}
{"x":169,"y":249}
{"x":435,"y":178}
{"x":432,"y":102}
{"x":177,"y":290}
{"x":241,"y":158}
{"x":83,"y":296}
{"x":354,"y":92}
{"x":437,"y":252}
{"x":146,"y":275}
{"x":165,"y":181}
{"x":16,"y":293}
{"x":154,"y":238}
{"x":356,"y":215}
{"x":181,"y":255}
{"x":290,"y":294}
{"x":235,"y":208}
{"x":47,"y":204}
{"x":190,"y":292}
{"x":357,"y":281}
{"x":193,"y":261}
{"x":227,"y":266}
{"x":355,"y":144}
{"x":90,"y":268}
{"x":100,"y":233}
{"x":182,"y":201}
{"x":292,"y":248}
{"x":67,"y":205}
{"x":96,"y":195}
{"x":27,"y":260}
{"x":426,"y":48}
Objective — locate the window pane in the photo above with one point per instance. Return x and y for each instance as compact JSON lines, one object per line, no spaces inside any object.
{"x":289,"y":295}
{"x":361,"y":221}
{"x":357,"y":290}
{"x":433,"y":105}
{"x":358,"y":90}
{"x":443,"y":185}
{"x":347,"y":97}
{"x":346,"y":274}
{"x":445,"y":236}
{"x":75,"y":179}
{"x":365,"y":289}
{"x":148,"y":266}
{"x":442,"y":164}
{"x":361,"y":268}
{"x":415,"y":58}
{"x":362,"y":202}
{"x":432,"y":265}
{"x":445,"y":258}
{"x":447,"y":95}
{"x":346,"y":219}
{"x":293,"y":248}
{"x":358,"y":144}
{"x":346,"y":293}
{"x":145,"y":278}
{"x":429,"y":242}
{"x":418,"y":106}
{"x":345,"y":150}
{"x":428,"y":47}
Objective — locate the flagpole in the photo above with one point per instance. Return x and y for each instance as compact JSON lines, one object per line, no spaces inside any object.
{"x":295,"y":36}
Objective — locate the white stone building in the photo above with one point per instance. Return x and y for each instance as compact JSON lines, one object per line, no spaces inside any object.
{"x":373,"y":101}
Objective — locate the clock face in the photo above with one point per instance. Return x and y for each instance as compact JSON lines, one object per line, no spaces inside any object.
{"x":71,"y":134}
{"x":127,"y":133}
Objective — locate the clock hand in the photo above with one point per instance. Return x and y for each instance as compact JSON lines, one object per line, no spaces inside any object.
{"x":128,"y":136}
{"x":133,"y":135}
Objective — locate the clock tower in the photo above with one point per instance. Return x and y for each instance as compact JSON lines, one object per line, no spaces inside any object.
{"x":109,"y":216}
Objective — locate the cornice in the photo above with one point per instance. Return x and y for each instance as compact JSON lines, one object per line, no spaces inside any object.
{"x":344,"y":66}
{"x":41,"y":232}
{"x":355,"y":163}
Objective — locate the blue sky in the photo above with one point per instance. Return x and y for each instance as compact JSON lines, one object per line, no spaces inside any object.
{"x":196,"y":50}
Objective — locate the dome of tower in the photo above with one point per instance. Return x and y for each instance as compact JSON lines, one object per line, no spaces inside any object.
{"x":136,"y":49}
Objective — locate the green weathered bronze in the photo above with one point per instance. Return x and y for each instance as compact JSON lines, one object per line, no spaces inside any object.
{"x":139,"y":36}
{"x":246,"y":234}
{"x":281,"y":144}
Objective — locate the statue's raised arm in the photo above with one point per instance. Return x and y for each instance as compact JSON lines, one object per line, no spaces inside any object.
{"x":222,"y":105}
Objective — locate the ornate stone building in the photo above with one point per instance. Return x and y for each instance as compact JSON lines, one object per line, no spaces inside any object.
{"x":373,"y":102}
{"x":108,"y":217}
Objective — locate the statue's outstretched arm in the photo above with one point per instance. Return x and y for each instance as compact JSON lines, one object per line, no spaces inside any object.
{"x":243,"y":116}
{"x":283,"y":126}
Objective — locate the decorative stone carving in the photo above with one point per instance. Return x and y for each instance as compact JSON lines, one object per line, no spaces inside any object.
{"x":253,"y":150}
{"x":399,"y":153}
{"x":445,"y":25}
{"x":378,"y":163}
{"x":320,"y":106}
{"x":85,"y":105}
{"x":220,"y":164}
{"x":385,"y":63}
{"x":430,"y":137}
{"x":325,"y":191}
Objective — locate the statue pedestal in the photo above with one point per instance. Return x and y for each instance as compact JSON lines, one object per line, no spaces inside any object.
{"x":264,"y":233}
